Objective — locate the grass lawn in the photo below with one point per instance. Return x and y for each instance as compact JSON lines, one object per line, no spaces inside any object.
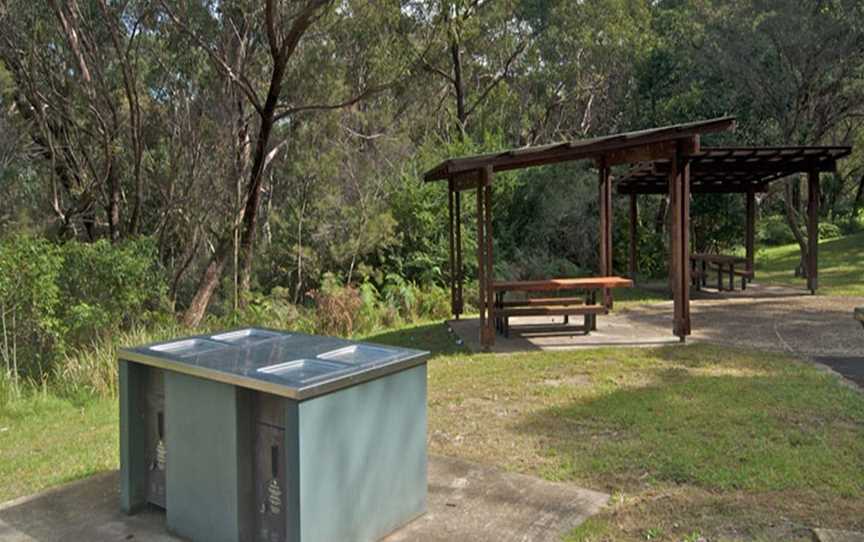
{"x":690,"y":441}
{"x":45,"y":441}
{"x":841,"y":266}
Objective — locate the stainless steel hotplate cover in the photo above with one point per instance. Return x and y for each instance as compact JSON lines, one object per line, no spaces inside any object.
{"x":294,"y":365}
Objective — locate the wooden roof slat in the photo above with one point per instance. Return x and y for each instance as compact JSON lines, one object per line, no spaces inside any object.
{"x":737,"y":168}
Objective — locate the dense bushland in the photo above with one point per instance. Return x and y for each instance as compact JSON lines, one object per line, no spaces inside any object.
{"x":65,"y":308}
{"x":180,"y":161}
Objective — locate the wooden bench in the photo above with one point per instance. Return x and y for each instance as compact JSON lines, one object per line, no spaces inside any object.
{"x":746,"y":276}
{"x":724,"y":265}
{"x":554,"y":306}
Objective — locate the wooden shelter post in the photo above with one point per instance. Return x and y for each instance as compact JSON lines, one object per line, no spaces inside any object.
{"x":634,"y":222}
{"x":490,"y":262}
{"x":679,"y":196}
{"x":484,"y":257}
{"x":451,"y":238}
{"x":750,"y":231}
{"x":605,"y":181}
{"x":813,"y":230}
{"x":481,"y":261}
{"x":460,"y":278}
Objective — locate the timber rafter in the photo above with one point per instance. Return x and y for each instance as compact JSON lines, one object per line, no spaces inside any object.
{"x":734,"y":169}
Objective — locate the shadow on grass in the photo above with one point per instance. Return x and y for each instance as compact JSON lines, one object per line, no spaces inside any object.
{"x":753,"y":426}
{"x":434,"y":337}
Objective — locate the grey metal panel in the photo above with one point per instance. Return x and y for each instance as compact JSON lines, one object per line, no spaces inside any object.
{"x":246,"y":462}
{"x":133,"y":462}
{"x":362,"y":459}
{"x":202,"y":483}
{"x":292,"y":471}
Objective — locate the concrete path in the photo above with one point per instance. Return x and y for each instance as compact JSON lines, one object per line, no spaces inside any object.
{"x":466,"y":502}
{"x":819,"y":328}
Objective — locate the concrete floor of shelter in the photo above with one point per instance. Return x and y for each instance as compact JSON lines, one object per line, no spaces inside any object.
{"x":466,"y":502}
{"x":818,"y":328}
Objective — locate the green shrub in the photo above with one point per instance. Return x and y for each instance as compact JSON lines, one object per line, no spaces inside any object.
{"x":533,"y":264}
{"x":401,"y":295}
{"x":275,"y":310}
{"x":433,"y":302}
{"x":773,"y":230}
{"x":371,"y":314}
{"x":827,"y":230}
{"x":56,"y":298}
{"x":105,"y":288}
{"x":29,"y":297}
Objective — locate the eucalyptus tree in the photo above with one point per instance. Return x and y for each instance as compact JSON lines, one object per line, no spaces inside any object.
{"x":75,"y":68}
{"x":474,"y":48}
{"x":581,"y":72}
{"x":796,"y":71}
{"x":281,"y":60}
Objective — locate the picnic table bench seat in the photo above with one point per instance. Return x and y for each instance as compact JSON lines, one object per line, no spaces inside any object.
{"x":722,"y":264}
{"x":554,"y":306}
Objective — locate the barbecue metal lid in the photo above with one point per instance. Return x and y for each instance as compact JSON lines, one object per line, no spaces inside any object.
{"x":294,"y":365}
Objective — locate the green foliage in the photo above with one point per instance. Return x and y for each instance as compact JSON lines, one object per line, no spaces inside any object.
{"x":106,"y":288}
{"x":528,"y":264}
{"x":827,"y":230}
{"x":29,"y":297}
{"x":773,"y":230}
{"x":56,"y":298}
{"x":347,"y":310}
{"x":850,"y":224}
{"x":275,"y":310}
{"x":841,"y":265}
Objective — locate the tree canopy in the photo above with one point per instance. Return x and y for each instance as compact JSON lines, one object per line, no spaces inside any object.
{"x":265,"y":144}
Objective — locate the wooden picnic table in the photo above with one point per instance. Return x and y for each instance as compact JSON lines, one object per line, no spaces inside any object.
{"x":555,"y":306}
{"x":724,"y":264}
{"x":547,"y":285}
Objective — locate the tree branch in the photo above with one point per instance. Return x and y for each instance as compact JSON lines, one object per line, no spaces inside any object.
{"x":222,"y":64}
{"x":329,"y":107}
{"x":500,"y":77}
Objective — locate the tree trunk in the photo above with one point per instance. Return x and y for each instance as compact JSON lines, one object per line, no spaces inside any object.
{"x":792,"y":219}
{"x":859,"y":193}
{"x":253,"y":195}
{"x":280,"y":54}
{"x":660,"y":217}
{"x":458,"y":87}
{"x":208,"y":284}
{"x":113,"y":205}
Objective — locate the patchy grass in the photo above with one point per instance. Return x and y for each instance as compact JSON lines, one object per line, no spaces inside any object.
{"x":433,"y":336}
{"x":45,"y":441}
{"x":693,"y":441}
{"x":841,"y":266}
{"x":625,"y":297}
